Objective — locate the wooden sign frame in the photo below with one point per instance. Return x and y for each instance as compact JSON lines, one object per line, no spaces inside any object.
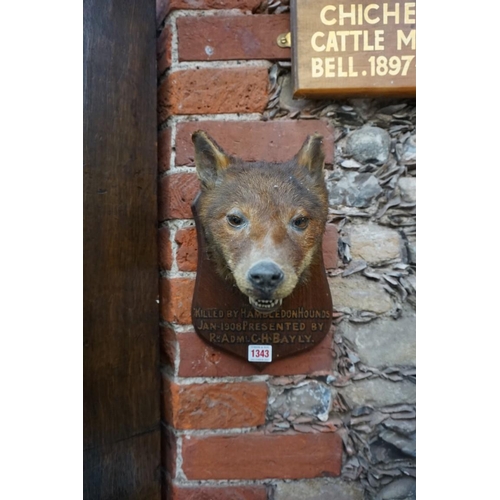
{"x":364,"y":48}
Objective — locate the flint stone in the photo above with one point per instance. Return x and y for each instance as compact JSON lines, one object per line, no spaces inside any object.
{"x":384,"y":452}
{"x":412,"y":253}
{"x":379,"y":392}
{"x":384,"y":341}
{"x":407,"y":444}
{"x":359,"y":293}
{"x":369,"y":145}
{"x":365,"y":107}
{"x":408,"y":189}
{"x":404,"y":488}
{"x":374,"y":244}
{"x":353,"y":190}
{"x":319,"y":489}
{"x":312,"y":399}
{"x":286,"y":97}
{"x":410,"y":150}
{"x":406,"y":427}
{"x":413,"y":281}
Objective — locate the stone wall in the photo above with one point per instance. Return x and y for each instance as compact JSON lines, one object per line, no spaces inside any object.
{"x":337,"y":422}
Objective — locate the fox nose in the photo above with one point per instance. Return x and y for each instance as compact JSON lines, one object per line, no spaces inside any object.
{"x":265,"y":276}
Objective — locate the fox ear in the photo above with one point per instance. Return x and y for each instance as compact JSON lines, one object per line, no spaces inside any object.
{"x":311,"y":155}
{"x":209,"y":158}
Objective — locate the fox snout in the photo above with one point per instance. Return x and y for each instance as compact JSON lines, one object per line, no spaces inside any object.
{"x":265,"y":277}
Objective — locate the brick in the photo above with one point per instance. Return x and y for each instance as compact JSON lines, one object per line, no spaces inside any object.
{"x":213,"y":91}
{"x":164,"y":7}
{"x":200,"y":359}
{"x":262,"y":456}
{"x":177,"y":193}
{"x":175,"y":300}
{"x":220,"y":38}
{"x":168,"y":346}
{"x":330,"y":246}
{"x":164,"y":248}
{"x":204,"y":492}
{"x":164,"y":50}
{"x":168,"y":451}
{"x":164,"y":149}
{"x":187,"y":253}
{"x":278,"y":140}
{"x":248,"y":5}
{"x":216,"y":406}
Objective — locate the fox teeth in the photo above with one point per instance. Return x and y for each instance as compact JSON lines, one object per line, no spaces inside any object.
{"x":265,"y":304}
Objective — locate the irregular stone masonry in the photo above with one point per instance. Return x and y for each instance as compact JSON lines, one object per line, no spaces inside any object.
{"x":345,"y":409}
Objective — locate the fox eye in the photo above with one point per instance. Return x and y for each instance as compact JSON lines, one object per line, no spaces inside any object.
{"x":235,"y":220}
{"x":300,"y":222}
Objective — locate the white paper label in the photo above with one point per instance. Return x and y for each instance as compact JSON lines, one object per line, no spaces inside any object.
{"x":260,"y":353}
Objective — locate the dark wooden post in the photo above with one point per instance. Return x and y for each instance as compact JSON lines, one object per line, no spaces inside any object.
{"x":121,"y":353}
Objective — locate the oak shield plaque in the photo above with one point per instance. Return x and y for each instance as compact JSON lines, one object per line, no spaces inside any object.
{"x":223,"y":316}
{"x":353,"y":48}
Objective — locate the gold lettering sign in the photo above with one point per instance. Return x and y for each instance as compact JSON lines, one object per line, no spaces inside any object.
{"x":353,"y":48}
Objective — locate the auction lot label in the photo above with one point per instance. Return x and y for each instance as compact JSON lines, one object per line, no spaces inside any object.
{"x":260,"y":353}
{"x":361,"y":48}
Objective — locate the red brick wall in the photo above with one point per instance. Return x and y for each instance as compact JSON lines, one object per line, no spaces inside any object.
{"x":214,"y":58}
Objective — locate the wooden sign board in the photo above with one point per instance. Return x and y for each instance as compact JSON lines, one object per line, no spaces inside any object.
{"x":353,"y":48}
{"x":223,"y":316}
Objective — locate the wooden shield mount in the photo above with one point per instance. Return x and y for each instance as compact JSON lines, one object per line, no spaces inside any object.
{"x":223,"y":316}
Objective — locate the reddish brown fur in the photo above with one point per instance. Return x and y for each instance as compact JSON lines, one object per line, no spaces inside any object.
{"x":270,"y":197}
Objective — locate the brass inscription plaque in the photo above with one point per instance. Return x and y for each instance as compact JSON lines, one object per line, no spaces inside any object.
{"x":223,"y":316}
{"x":353,"y":48}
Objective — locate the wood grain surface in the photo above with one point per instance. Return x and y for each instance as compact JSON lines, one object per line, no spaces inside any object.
{"x":121,"y":390}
